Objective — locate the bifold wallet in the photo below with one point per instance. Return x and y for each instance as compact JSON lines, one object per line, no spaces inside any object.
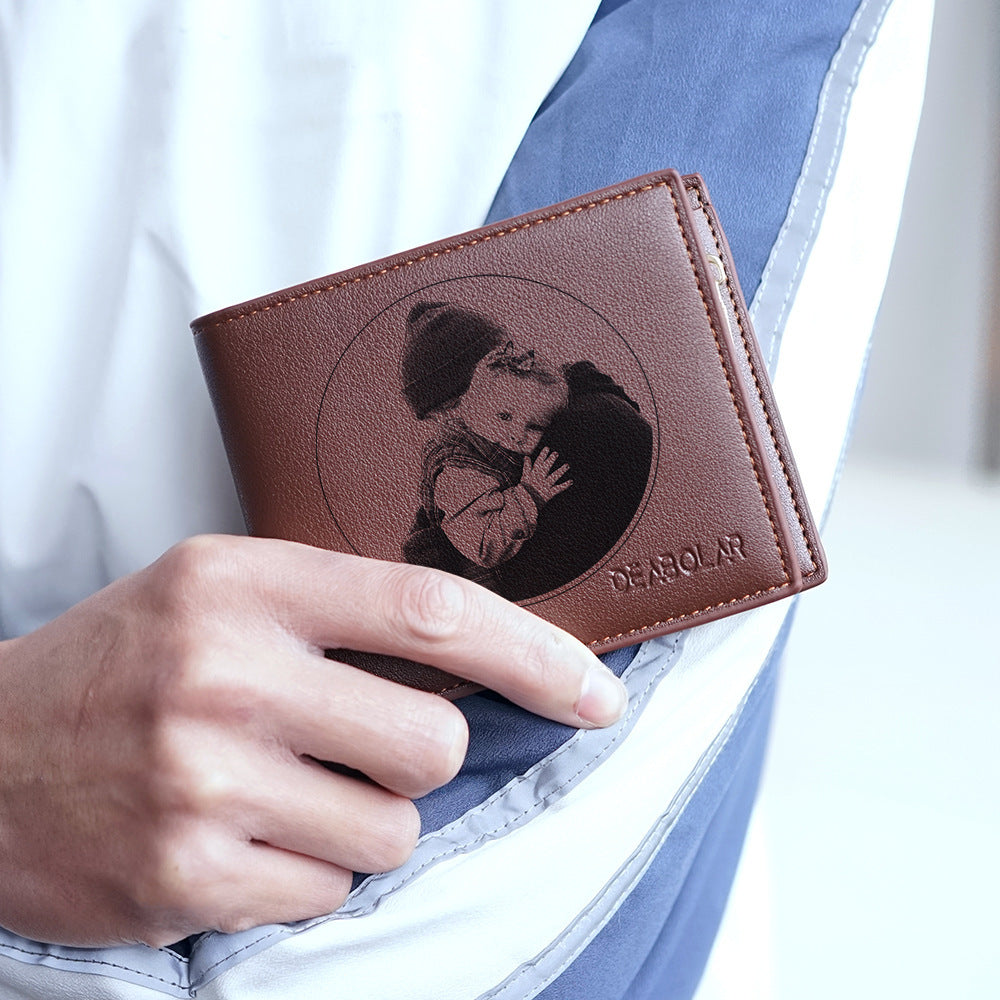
{"x":568,"y":407}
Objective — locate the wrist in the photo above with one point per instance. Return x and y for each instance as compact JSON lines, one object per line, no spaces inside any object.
{"x":536,"y":497}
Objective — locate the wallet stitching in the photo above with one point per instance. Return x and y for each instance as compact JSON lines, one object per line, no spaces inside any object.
{"x":763,"y":405}
{"x":599,"y":203}
{"x":774,"y":531}
{"x":439,"y":253}
{"x":453,"y":687}
{"x":732,"y":396}
{"x":690,"y":614}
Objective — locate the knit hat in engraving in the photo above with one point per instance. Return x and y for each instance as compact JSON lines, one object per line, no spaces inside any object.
{"x":444,"y":343}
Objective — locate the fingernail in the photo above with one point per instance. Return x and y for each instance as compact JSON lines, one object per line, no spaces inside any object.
{"x":603,"y":698}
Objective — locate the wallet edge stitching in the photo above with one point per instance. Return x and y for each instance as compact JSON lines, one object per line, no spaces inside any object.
{"x":401,"y":265}
{"x":767,"y":501}
{"x":664,"y":182}
{"x":814,"y":565}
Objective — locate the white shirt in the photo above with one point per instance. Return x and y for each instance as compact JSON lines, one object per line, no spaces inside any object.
{"x":161,"y":159}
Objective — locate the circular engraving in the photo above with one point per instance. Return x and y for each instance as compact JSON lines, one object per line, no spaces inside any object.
{"x":492,"y":426}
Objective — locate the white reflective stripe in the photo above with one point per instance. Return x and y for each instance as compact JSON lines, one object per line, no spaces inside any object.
{"x":471,"y":941}
{"x":829,"y":324}
{"x":780,"y":280}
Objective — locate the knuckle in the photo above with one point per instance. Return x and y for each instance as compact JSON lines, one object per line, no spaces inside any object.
{"x":182,"y":673}
{"x":204,"y":793}
{"x":437,"y":742}
{"x":394,"y":836}
{"x":189,"y":575}
{"x":210,"y":688}
{"x":199,"y":675}
{"x":431,"y":605}
{"x":538,"y":671}
{"x":186,"y":782}
{"x":168,"y":787}
{"x":168,"y":881}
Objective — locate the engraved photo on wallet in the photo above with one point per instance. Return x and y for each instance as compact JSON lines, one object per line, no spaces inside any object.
{"x":568,"y":408}
{"x":526,"y":452}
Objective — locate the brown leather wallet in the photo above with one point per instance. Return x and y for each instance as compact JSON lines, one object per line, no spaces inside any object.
{"x":568,"y":407}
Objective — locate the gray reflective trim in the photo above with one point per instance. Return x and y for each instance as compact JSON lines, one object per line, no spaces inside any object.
{"x":158,"y":969}
{"x":510,"y":807}
{"x":783,"y":273}
{"x":530,"y":793}
{"x":531,"y":977}
{"x":776,"y":292}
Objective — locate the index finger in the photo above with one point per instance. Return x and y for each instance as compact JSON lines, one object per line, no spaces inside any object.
{"x":335,"y":601}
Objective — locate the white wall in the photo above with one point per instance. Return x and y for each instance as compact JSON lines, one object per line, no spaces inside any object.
{"x":926,"y":399}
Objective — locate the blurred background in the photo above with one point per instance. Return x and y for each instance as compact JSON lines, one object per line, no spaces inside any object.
{"x":872,"y":863}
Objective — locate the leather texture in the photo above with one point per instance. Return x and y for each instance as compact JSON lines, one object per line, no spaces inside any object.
{"x":382,"y":411}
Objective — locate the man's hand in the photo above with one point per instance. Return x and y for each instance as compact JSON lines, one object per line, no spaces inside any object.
{"x":158,"y":742}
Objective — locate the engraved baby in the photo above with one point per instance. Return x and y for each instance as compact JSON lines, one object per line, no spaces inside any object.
{"x":484,"y":477}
